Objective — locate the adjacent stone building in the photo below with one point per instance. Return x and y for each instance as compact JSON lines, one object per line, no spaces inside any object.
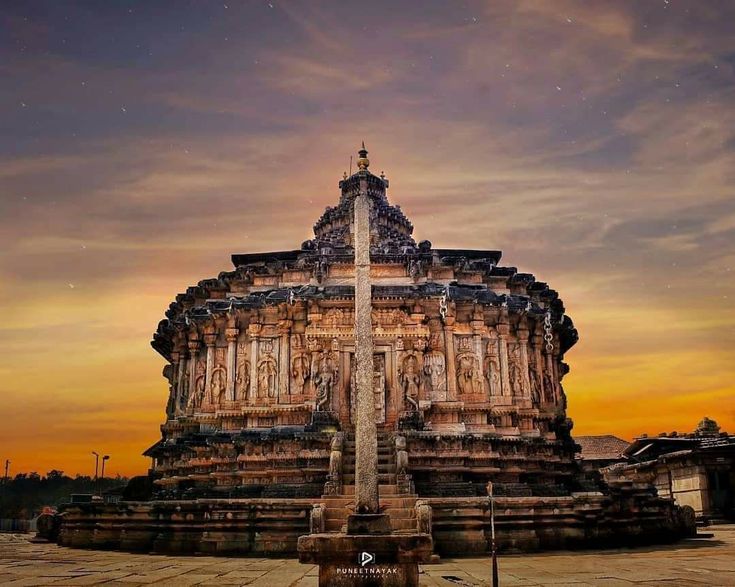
{"x":695,"y":469}
{"x":258,"y":444}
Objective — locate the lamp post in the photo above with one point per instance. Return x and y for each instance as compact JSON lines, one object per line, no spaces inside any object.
{"x":104,"y":458}
{"x":7,"y":464}
{"x":96,"y":464}
{"x":492,"y":534}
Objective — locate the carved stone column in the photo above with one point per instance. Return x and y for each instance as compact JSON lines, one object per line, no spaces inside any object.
{"x":174,"y":398}
{"x":231,"y":335}
{"x":451,"y":367}
{"x":366,"y":445}
{"x":180,"y":379}
{"x":284,"y":368}
{"x":536,"y":345}
{"x":493,"y":364}
{"x":209,"y":340}
{"x":194,"y":345}
{"x":254,"y":331}
{"x":503,"y":329}
{"x":523,"y":343}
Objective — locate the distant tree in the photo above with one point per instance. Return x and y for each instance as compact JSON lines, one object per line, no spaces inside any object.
{"x":26,"y":494}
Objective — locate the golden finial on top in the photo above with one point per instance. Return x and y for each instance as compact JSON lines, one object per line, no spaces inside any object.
{"x":363,"y":162}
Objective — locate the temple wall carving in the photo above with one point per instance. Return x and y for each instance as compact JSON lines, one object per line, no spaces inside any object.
{"x":295,"y":359}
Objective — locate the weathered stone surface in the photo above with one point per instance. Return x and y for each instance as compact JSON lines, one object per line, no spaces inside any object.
{"x":395,"y":562}
{"x":462,"y":358}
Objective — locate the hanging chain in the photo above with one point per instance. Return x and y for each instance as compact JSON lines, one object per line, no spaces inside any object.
{"x":443,"y":306}
{"x":548,"y":336}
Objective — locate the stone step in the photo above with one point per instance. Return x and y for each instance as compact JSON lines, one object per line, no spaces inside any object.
{"x":388,"y":502}
{"x":387,"y":478}
{"x":400,"y":526}
{"x":383,"y":489}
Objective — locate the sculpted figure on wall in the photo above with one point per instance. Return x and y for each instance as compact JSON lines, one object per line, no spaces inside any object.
{"x":468,"y":376}
{"x":435,"y":368}
{"x":534,"y":380}
{"x":409,"y":376}
{"x":299,"y":365}
{"x":217,"y":386}
{"x":548,"y":388}
{"x":515,"y":375}
{"x":267,"y":371}
{"x":184,"y":399}
{"x":242,"y":377}
{"x":324,"y":377}
{"x":491,"y":366}
{"x":197,"y":397}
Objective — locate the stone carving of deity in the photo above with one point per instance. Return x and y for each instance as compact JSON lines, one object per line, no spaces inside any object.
{"x":535,"y":394}
{"x":242,"y":381}
{"x":514,"y":371}
{"x":410,"y":380}
{"x":492,"y":371}
{"x":548,"y":388}
{"x":217,"y":386}
{"x":299,"y":365}
{"x":267,"y":371}
{"x":435,"y":368}
{"x":184,"y":399}
{"x":468,"y":376}
{"x":197,"y":397}
{"x":324,"y":376}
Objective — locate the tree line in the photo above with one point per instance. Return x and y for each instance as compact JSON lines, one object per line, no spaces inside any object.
{"x":25,"y":495}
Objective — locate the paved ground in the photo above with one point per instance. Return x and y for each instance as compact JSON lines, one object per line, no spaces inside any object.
{"x":704,"y":561}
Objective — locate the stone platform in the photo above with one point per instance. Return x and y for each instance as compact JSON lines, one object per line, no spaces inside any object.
{"x":692,"y":562}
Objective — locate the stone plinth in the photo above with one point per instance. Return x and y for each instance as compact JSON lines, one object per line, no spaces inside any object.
{"x":341,"y":561}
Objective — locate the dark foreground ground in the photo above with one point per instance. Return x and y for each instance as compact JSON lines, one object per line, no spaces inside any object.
{"x":702,"y":561}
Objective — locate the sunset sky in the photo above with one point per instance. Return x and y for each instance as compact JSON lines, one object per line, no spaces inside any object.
{"x":141,"y":143}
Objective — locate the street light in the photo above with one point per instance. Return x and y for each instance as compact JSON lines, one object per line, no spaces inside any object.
{"x":96,"y":463}
{"x":104,"y":458}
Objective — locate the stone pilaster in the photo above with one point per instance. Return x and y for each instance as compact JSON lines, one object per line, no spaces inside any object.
{"x":523,"y":343}
{"x":231,"y":335}
{"x":193,"y":356}
{"x":537,"y":344}
{"x":253,"y":389}
{"x":180,"y":384}
{"x":283,"y":370}
{"x":450,"y":358}
{"x":503,"y":329}
{"x":209,"y":340}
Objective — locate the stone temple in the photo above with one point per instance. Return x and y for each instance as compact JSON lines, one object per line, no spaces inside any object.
{"x":258,"y":445}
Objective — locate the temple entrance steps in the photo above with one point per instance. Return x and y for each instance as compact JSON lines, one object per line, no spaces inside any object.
{"x":400,"y":506}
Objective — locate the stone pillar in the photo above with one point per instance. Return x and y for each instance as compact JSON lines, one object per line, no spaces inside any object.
{"x":180,"y":379}
{"x":193,"y":357}
{"x":366,"y":457}
{"x":537,"y":343}
{"x":523,"y":343}
{"x":174,"y":399}
{"x":284,"y":369}
{"x":209,"y":340}
{"x":451,"y":368}
{"x":503,"y":329}
{"x":231,"y":334}
{"x":253,"y":389}
{"x":552,"y":374}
